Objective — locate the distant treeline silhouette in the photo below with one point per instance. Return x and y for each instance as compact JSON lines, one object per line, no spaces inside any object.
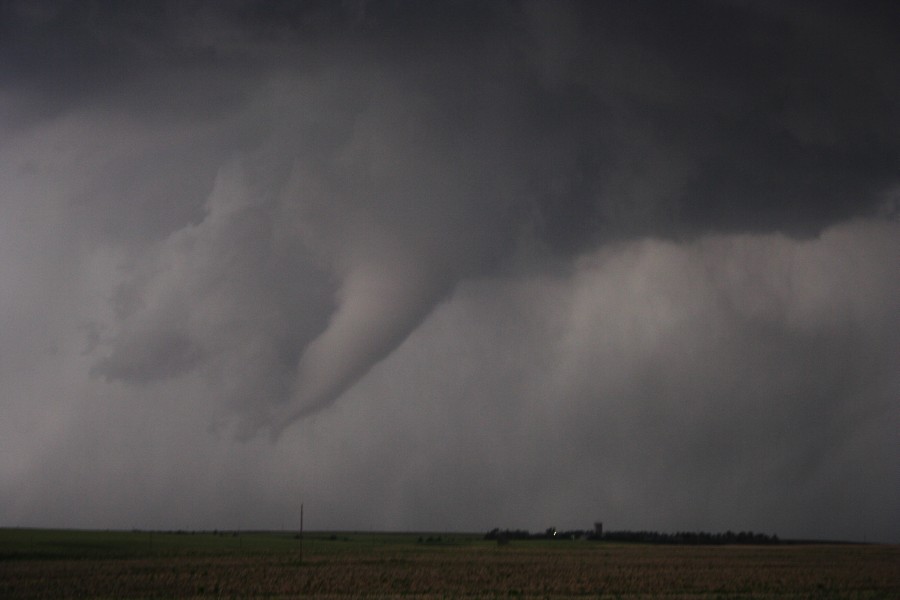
{"x":644,"y":537}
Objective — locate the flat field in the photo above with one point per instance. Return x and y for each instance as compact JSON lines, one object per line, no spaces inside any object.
{"x":94,"y":564}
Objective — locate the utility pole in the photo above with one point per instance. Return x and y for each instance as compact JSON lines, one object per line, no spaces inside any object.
{"x":301,"y":533}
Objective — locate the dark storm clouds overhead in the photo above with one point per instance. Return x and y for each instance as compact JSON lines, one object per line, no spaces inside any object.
{"x":483,"y":264}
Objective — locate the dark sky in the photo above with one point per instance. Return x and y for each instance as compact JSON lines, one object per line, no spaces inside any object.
{"x":451,"y":265}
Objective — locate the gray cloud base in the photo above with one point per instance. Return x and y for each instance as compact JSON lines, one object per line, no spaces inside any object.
{"x":487,"y":266}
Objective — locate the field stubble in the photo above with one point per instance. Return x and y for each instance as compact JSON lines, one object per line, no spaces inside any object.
{"x":398,"y":566}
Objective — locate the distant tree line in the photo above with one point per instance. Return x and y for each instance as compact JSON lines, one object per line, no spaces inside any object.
{"x":691,"y":537}
{"x":645,"y":537}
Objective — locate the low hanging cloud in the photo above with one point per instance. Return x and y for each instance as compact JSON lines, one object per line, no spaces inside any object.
{"x":388,"y":180}
{"x":643,"y":229}
{"x":375,"y":234}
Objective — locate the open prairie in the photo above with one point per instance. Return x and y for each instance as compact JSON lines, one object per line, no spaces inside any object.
{"x":92,"y":564}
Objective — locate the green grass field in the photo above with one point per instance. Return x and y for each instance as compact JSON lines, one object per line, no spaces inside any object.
{"x":97,"y":564}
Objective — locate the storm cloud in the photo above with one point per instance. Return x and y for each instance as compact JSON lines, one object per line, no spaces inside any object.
{"x":484,"y":264}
